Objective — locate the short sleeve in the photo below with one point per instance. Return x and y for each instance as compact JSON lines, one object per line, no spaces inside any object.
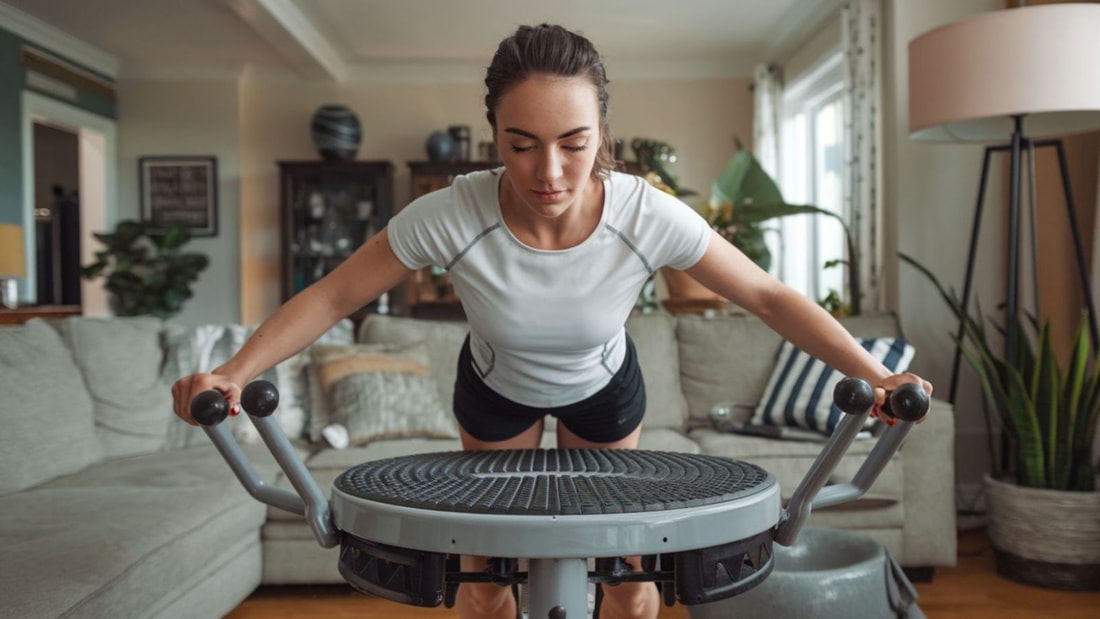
{"x":667,"y":230}
{"x":415,"y":232}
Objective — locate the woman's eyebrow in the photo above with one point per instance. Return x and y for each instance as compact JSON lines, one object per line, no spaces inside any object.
{"x":528,"y":134}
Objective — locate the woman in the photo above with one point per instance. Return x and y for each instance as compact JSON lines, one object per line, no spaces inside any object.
{"x":548,"y":256}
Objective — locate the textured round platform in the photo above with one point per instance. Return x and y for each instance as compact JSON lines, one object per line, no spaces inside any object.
{"x":553,"y":503}
{"x":553,"y":482}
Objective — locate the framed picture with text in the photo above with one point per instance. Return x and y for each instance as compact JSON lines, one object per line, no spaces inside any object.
{"x":180,"y":190}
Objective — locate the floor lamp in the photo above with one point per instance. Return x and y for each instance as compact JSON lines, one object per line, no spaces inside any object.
{"x":1012,"y":79}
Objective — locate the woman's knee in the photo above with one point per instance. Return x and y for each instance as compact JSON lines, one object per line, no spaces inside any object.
{"x":636,"y":599}
{"x":485,"y":599}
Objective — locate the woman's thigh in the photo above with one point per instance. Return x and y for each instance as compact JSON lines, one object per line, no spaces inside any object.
{"x":569,"y":440}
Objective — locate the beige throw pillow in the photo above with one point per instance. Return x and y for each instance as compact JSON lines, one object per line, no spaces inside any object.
{"x":380,"y":391}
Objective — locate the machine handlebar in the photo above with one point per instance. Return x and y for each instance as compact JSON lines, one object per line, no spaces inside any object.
{"x":260,"y":399}
{"x":907,"y":404}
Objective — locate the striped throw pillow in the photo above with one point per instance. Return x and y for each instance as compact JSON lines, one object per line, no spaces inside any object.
{"x":800,"y":390}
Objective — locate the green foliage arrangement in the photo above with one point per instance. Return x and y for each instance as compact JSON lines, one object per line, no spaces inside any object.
{"x":145,"y":271}
{"x":747,"y":196}
{"x":1048,"y":410}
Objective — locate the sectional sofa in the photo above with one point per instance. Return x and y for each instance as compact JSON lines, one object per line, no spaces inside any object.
{"x":109,"y":506}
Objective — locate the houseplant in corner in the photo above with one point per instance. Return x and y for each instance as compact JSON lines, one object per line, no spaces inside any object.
{"x":146,"y":273}
{"x":1044,"y":511}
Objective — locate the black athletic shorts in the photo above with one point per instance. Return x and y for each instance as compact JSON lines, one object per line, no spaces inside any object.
{"x":608,"y":415}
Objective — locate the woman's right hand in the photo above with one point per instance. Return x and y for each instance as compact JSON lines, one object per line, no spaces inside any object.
{"x":185,"y":389}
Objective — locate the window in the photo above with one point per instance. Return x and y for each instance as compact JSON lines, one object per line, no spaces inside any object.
{"x":811,"y":171}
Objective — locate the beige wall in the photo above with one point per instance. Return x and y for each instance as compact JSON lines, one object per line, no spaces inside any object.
{"x":930,"y":196}
{"x":698,"y":117}
{"x":188,"y":118}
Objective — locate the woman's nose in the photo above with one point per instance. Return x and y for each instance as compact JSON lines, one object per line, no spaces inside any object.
{"x":549,"y":168}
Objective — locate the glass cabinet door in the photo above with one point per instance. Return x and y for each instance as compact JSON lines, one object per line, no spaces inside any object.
{"x":329,"y":210}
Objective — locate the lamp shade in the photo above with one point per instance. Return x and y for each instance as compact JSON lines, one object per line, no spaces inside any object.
{"x":969,"y":78}
{"x":12,"y":262}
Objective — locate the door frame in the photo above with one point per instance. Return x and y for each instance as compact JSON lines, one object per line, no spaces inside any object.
{"x":97,"y":143}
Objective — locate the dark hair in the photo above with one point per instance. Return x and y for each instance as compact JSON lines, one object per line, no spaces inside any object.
{"x":553,"y":50}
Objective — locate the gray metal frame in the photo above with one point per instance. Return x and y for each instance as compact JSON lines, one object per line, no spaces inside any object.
{"x":558,"y":546}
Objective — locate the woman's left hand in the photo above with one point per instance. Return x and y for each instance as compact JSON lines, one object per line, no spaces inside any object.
{"x":888,"y":384}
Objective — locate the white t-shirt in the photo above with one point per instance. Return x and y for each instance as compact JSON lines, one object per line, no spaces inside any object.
{"x":547,"y":327}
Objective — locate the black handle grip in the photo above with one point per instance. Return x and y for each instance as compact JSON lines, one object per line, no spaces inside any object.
{"x":853,"y":395}
{"x":209,"y":408}
{"x":260,"y":398}
{"x":908,"y":402}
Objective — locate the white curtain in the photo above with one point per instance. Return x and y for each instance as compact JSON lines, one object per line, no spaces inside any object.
{"x":767,"y":91}
{"x":862,"y":39}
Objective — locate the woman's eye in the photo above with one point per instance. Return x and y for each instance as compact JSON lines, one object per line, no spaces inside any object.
{"x":576,"y":148}
{"x":522,"y":149}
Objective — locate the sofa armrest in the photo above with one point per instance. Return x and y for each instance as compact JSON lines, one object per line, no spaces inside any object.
{"x":929,"y":489}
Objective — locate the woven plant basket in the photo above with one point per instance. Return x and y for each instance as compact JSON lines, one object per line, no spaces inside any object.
{"x":1047,"y":538}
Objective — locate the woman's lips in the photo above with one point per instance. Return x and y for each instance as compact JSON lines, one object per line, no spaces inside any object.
{"x":549,"y":196}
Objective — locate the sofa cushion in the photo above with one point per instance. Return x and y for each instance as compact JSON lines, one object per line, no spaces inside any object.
{"x":654,"y":338}
{"x":124,"y":533}
{"x":800,"y":390}
{"x":122,"y":360}
{"x":46,"y":420}
{"x":789,"y":461}
{"x":88,"y":552}
{"x":379,"y":391}
{"x":444,"y":341}
{"x":724,"y":359}
{"x":730,"y":358}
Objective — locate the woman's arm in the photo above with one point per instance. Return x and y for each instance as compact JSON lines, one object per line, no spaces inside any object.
{"x":364,"y":276}
{"x":728,"y":272}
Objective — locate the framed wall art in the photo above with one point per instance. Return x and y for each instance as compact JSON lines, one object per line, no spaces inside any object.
{"x":180,"y":190}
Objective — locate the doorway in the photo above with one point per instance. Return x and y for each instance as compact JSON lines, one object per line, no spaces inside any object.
{"x":96,"y":189}
{"x":57,"y":215}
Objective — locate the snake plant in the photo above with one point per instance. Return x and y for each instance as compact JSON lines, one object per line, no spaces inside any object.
{"x":1048,"y":410}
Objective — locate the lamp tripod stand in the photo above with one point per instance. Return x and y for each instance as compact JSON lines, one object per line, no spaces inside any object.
{"x":1016,"y":147}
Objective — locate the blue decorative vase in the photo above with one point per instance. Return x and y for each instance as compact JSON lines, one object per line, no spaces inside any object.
{"x":336,"y":132}
{"x":440,"y":146}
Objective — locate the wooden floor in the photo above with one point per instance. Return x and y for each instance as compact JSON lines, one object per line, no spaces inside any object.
{"x":973,"y":590}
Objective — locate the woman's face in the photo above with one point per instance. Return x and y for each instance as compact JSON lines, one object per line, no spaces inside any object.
{"x":548,"y":133}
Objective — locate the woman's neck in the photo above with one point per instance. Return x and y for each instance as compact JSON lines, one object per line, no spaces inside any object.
{"x":569,"y":229}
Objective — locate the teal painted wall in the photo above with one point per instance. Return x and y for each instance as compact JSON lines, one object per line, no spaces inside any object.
{"x":11,"y":130}
{"x":12,"y":84}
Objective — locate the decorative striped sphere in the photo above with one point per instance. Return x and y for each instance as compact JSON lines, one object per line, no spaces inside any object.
{"x":336,"y":132}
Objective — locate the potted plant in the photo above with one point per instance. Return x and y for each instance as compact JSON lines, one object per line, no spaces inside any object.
{"x":1043,"y":508}
{"x":744,"y":196}
{"x":146,"y":273}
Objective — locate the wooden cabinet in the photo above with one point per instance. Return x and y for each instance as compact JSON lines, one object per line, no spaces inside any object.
{"x":328,"y":210}
{"x":427,"y":176}
{"x":429,"y":293}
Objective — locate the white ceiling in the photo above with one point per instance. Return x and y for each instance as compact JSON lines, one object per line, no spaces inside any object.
{"x":349,"y":40}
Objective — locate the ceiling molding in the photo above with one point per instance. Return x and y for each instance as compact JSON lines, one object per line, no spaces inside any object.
{"x":798,"y":26}
{"x":178,"y":73}
{"x":57,"y":42}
